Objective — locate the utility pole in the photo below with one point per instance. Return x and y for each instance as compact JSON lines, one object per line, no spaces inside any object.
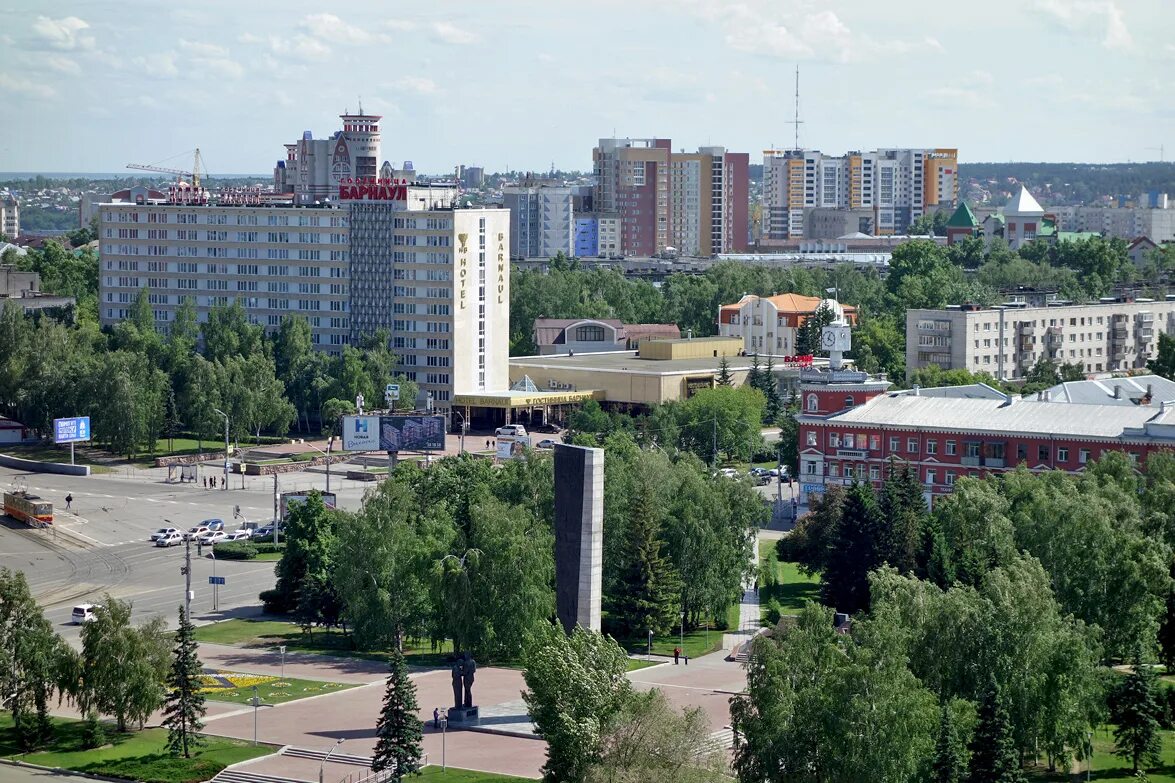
{"x":225,"y":415}
{"x":187,"y":572}
{"x":714,"y":444}
{"x":275,"y":508}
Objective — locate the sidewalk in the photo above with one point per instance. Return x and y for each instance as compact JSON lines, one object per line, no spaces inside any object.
{"x":748,"y":611}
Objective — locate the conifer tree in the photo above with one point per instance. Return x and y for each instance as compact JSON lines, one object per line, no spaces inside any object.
{"x":948,"y":764}
{"x":755,"y":374}
{"x":1136,"y":711}
{"x":854,"y":551}
{"x":398,"y":730}
{"x":724,"y":377}
{"x":775,"y":404}
{"x":993,"y":752}
{"x":650,"y":592}
{"x":185,"y":703}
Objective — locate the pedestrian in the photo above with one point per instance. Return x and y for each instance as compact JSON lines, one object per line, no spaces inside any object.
{"x":436,"y":718}
{"x":69,"y":502}
{"x":676,"y":655}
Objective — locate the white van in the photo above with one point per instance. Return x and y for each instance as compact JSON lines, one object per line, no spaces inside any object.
{"x":84,"y":613}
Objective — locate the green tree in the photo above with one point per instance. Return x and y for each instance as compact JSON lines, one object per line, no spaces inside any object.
{"x":398,"y":731}
{"x":1136,"y":712}
{"x":948,"y":765}
{"x":1166,"y":636}
{"x":30,"y":656}
{"x":808,"y":335}
{"x":575,"y":687}
{"x":993,"y":751}
{"x":123,"y":667}
{"x":723,"y":420}
{"x":303,"y":571}
{"x":774,"y":401}
{"x":650,"y":740}
{"x":228,"y":333}
{"x":855,"y":550}
{"x":183,"y":715}
{"x":649,"y":594}
{"x":724,"y":378}
{"x":1164,"y":362}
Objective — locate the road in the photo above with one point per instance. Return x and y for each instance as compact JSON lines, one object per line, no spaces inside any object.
{"x":102,"y":545}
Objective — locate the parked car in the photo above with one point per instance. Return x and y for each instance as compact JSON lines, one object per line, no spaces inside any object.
{"x":728,"y":473}
{"x":511,"y":431}
{"x":84,"y":613}
{"x":548,"y":427}
{"x":195,"y":532}
{"x":265,"y":533}
{"x":171,"y":539}
{"x":211,"y":537}
{"x":164,"y":531}
{"x":546,"y":443}
{"x":213,"y":524}
{"x":238,"y":535}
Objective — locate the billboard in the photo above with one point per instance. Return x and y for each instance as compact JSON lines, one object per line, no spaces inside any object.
{"x":394,"y":433}
{"x":71,"y":430}
{"x":360,"y":433}
{"x":512,"y":448}
{"x":328,"y":500}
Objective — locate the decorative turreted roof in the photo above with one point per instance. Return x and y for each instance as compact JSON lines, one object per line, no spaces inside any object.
{"x":1023,"y":204}
{"x":963,"y":217}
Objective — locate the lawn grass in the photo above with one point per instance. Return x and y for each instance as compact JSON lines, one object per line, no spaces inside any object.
{"x":639,"y":663}
{"x":323,"y":641}
{"x":793,"y":589}
{"x":275,"y":690}
{"x":268,"y":557}
{"x":696,"y":643}
{"x":49,"y":453}
{"x":453,"y":775}
{"x":1108,"y":767}
{"x":137,"y":756}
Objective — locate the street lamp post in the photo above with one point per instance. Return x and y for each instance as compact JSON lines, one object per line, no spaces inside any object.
{"x":464,"y":426}
{"x":649,"y":656}
{"x":444,"y":726}
{"x":282,"y":648}
{"x":681,"y":636}
{"x":322,"y":766}
{"x":256,"y":702}
{"x":225,"y":415}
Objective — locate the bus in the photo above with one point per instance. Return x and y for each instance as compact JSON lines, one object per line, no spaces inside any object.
{"x":28,"y":508}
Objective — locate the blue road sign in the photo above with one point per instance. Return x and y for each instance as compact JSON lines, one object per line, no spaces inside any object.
{"x":216,"y":580}
{"x":71,"y":430}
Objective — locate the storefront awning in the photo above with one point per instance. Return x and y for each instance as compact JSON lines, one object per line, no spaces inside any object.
{"x":525,"y":399}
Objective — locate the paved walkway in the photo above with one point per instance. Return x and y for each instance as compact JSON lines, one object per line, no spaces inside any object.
{"x":748,"y":611}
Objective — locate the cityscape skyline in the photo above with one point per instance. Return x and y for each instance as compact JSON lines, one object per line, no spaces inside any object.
{"x":528,"y":86}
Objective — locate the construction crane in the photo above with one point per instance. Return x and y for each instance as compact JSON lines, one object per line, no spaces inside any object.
{"x":1160,"y":149}
{"x":194,"y":174}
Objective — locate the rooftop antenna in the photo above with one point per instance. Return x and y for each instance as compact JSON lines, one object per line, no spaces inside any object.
{"x":360,"y":104}
{"x":797,"y":122}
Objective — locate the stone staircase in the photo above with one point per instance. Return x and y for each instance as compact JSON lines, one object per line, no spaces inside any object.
{"x":241,"y":776}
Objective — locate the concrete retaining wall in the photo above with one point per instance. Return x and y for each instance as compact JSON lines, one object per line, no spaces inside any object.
{"x":34,"y":466}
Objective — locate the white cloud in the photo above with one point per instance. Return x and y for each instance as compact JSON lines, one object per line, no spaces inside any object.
{"x":794,"y":30}
{"x":62,"y":64}
{"x":399,"y":25}
{"x":975,"y":91}
{"x":933,"y":43}
{"x":452,"y":34}
{"x":298,"y":47}
{"x":18,"y":86}
{"x":421,"y":85}
{"x":200,"y":49}
{"x":1090,"y":16}
{"x":65,"y":34}
{"x":333,"y":29}
{"x":211,"y":59}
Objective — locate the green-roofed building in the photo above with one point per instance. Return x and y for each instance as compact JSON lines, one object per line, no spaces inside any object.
{"x":963,"y":224}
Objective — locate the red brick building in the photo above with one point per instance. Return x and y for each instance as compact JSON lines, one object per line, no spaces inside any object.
{"x":848,"y":436}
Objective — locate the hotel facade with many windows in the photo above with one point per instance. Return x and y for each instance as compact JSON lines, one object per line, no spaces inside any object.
{"x":436,"y":278}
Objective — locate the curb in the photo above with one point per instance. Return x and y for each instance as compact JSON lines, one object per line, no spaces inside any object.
{"x":62,"y":772}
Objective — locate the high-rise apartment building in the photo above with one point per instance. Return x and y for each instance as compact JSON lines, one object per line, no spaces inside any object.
{"x":9,"y":216}
{"x":693,"y":202}
{"x":632,"y":180}
{"x":898,"y":185}
{"x":542,"y":221}
{"x":708,"y":201}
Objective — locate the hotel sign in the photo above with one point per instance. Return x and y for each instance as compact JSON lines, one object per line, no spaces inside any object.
{"x":373,"y":189}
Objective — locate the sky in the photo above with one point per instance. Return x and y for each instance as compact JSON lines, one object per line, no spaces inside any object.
{"x":522,"y":84}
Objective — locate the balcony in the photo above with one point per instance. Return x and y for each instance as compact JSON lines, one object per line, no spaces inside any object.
{"x":1027,"y":329}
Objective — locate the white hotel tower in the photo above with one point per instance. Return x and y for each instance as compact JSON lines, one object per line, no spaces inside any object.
{"x":349,"y":258}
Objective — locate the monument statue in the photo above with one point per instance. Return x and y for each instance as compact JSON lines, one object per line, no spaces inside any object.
{"x":457,"y":676}
{"x":469,"y":668}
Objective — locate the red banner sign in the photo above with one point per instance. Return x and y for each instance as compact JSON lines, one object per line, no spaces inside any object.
{"x":373,"y":189}
{"x":803,"y":360}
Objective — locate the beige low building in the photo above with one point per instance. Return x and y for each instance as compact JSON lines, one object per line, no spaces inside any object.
{"x":661,"y":371}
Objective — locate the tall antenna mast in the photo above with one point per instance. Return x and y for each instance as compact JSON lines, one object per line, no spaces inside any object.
{"x":797,"y":122}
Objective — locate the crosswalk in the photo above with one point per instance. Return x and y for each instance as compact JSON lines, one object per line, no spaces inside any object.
{"x":720,"y":741}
